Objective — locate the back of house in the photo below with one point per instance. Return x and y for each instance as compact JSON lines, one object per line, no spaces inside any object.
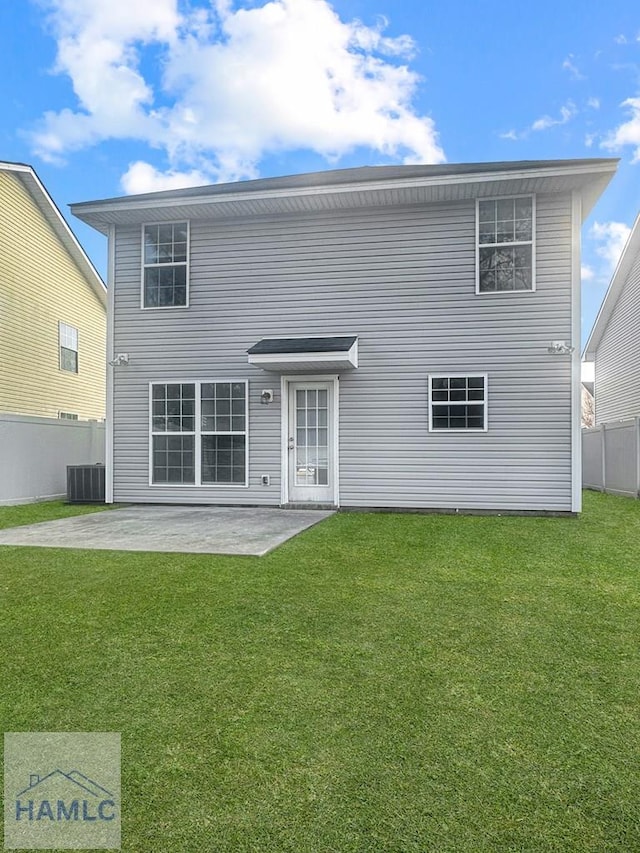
{"x":614,"y":342}
{"x":389,"y":337}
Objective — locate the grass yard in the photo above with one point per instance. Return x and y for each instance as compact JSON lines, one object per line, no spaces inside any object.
{"x":14,"y":516}
{"x":380,"y":683}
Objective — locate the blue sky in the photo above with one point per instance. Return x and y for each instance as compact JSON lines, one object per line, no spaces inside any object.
{"x":106,"y":97}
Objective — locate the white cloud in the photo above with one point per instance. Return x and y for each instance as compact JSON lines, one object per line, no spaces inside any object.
{"x":236,"y":84}
{"x":141,"y":177}
{"x":570,"y":66}
{"x":610,"y":239}
{"x":567,"y":112}
{"x":96,"y":50}
{"x":586,"y":272}
{"x":627,"y":133}
{"x":593,"y":103}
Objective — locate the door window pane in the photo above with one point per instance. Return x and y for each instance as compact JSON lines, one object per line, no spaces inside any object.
{"x":311,"y":448}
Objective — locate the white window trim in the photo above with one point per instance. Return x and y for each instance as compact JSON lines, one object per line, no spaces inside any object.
{"x":479,"y":292}
{"x":469,"y":374}
{"x":197,"y":433}
{"x":186,"y":264}
{"x":75,"y":372}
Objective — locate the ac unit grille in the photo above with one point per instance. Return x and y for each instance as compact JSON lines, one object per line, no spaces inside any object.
{"x":85,"y":484}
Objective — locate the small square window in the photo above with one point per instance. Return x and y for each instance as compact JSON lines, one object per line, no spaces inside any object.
{"x":457,"y":403}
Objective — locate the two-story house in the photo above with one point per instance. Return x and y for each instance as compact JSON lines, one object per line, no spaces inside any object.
{"x":390,"y":337}
{"x":52,"y":308}
{"x":614,"y":342}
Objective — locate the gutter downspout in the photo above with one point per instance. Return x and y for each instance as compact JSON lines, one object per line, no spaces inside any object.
{"x":576,"y":360}
{"x":111,"y":258}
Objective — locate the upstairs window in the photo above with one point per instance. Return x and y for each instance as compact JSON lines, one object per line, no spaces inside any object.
{"x":458,"y":403}
{"x":165,"y":265}
{"x":505,"y":249}
{"x":68,"y":347}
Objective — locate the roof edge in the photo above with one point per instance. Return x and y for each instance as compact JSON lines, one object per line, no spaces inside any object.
{"x":350,"y":180}
{"x":622,"y":270}
{"x":37,"y":190}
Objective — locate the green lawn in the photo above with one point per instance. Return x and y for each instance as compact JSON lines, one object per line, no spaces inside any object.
{"x":380,"y":683}
{"x":14,"y":516}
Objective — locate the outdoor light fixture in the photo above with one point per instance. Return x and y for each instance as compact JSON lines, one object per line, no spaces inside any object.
{"x":120,"y":359}
{"x":266,"y":396}
{"x":559,"y":348}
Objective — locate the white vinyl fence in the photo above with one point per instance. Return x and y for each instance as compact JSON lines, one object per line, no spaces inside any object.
{"x":611,"y":458}
{"x":35,"y":452}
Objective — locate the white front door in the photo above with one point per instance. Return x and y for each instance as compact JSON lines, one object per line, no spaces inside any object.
{"x":310,"y":442}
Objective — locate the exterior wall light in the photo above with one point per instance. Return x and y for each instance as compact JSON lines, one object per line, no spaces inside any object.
{"x":559,"y":348}
{"x":120,"y":359}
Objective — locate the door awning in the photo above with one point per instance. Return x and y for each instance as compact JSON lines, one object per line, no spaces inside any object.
{"x":305,"y":354}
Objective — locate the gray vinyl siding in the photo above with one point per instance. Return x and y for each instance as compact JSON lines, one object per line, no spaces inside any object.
{"x":403,"y":280}
{"x":617,"y":362}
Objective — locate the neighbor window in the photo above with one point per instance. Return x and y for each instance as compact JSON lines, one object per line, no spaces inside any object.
{"x":458,"y":402}
{"x":68,"y":347}
{"x":165,"y":265}
{"x":199,"y":433}
{"x":67,"y":416}
{"x":505,"y":250}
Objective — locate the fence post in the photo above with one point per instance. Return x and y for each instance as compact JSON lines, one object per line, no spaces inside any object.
{"x":603,"y":450}
{"x":637,"y":427}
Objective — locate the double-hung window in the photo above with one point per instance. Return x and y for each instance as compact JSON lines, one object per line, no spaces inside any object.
{"x":165,"y":265}
{"x":68,"y":347}
{"x":458,"y":402}
{"x":173,"y":427}
{"x":223,"y":432}
{"x":199,"y":433}
{"x":506,"y":244}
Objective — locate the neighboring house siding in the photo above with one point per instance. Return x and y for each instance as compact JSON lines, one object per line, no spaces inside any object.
{"x":403,"y":280}
{"x":40,"y":285}
{"x":617,"y":363}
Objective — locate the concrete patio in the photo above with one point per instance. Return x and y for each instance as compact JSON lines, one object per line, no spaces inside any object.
{"x":192,"y":530}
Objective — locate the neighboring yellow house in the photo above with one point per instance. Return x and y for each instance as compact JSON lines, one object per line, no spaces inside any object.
{"x":52,"y":308}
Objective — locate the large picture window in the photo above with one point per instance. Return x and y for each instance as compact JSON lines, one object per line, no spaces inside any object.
{"x":458,"y":402}
{"x":199,"y":433}
{"x":505,"y":249}
{"x":165,"y":265}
